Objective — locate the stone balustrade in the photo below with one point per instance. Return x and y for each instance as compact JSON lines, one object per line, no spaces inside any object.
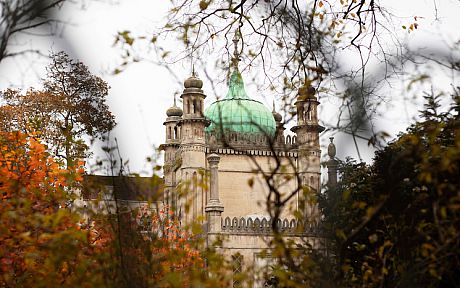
{"x":265,"y":226}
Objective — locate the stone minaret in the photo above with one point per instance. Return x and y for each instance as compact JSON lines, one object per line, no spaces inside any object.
{"x":307,"y":130}
{"x":174,"y":114}
{"x":193,"y":147}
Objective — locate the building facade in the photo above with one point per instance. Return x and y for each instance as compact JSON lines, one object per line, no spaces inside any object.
{"x":227,"y":163}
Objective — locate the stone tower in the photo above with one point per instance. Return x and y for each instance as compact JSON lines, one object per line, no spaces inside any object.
{"x":307,"y":131}
{"x":171,"y":147}
{"x":193,"y":149}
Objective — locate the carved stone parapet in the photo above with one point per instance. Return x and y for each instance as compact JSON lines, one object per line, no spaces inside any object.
{"x":256,"y":226}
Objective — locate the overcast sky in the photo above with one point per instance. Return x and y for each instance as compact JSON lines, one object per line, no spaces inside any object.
{"x":140,"y":95}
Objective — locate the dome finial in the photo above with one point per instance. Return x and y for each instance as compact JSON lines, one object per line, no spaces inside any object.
{"x":276,"y":115}
{"x":236,"y":55}
{"x":331,"y":150}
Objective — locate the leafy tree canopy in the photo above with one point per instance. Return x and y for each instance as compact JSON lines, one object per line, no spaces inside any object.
{"x":395,"y":223}
{"x":71,"y":104}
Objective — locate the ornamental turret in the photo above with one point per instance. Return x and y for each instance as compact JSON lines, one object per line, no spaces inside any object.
{"x":193,"y":121}
{"x":173,"y":135}
{"x":307,"y":130}
{"x":173,"y":114}
{"x":193,"y":148}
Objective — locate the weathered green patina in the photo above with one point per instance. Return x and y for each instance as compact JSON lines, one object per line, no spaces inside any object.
{"x":237,"y":112}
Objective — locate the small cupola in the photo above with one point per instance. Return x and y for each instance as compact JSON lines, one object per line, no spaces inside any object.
{"x":193,"y":82}
{"x":174,"y":110}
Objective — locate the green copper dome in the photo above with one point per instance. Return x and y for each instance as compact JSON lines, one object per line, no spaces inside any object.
{"x":239,"y":113}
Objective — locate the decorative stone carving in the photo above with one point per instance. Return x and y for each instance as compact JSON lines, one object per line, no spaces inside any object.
{"x":265,"y":227}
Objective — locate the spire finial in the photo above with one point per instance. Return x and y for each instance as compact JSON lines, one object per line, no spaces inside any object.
{"x":236,"y":55}
{"x":193,"y":71}
{"x":331,"y":150}
{"x":174,"y":100}
{"x":273,"y":106}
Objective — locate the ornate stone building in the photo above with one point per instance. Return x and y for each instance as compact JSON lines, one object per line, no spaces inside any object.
{"x":225,"y":163}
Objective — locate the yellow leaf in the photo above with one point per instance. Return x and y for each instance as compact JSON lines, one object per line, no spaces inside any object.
{"x":340,"y":234}
{"x":443,"y":211}
{"x":373,"y":238}
{"x":251,"y":182}
{"x":203,"y":5}
{"x":384,"y":271}
{"x":369,"y":212}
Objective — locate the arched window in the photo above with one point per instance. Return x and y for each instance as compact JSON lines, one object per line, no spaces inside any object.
{"x":198,"y":106}
{"x":175,"y":133}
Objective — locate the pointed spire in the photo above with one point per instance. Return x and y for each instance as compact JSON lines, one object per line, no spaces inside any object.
{"x":174,"y":101}
{"x":236,"y":54}
{"x":276,"y":115}
{"x":193,"y":70}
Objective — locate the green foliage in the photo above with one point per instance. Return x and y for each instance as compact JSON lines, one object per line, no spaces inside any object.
{"x":395,"y":223}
